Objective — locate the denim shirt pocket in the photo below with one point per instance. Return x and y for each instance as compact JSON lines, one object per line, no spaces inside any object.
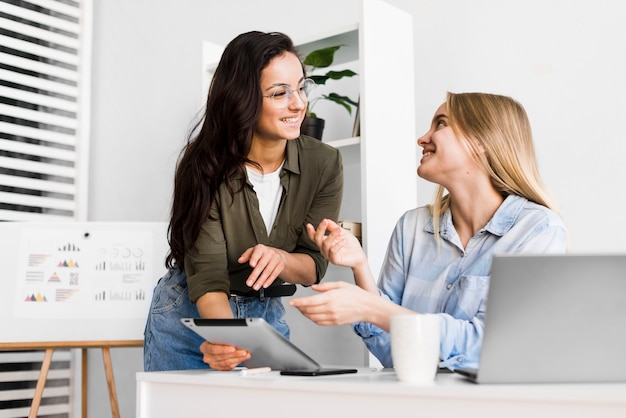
{"x":470,"y":295}
{"x":169,"y":292}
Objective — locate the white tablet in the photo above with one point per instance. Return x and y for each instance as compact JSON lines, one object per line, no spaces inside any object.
{"x":267,"y":346}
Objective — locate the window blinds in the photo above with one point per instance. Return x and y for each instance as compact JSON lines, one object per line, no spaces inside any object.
{"x":19,"y":372}
{"x":44,"y":95}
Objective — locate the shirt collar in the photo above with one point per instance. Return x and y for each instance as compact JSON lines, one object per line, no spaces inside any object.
{"x":506,"y":215}
{"x":292,"y":161}
{"x":499,"y":224}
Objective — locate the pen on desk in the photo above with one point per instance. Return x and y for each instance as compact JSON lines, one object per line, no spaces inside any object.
{"x":258,"y":370}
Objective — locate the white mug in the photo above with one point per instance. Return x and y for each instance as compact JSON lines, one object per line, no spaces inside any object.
{"x":415,"y":347}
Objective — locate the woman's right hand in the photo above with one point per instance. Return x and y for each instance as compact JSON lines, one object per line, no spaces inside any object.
{"x":223,"y":357}
{"x":337,"y":245}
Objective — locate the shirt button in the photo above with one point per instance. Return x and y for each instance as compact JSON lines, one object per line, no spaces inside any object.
{"x":460,"y":359}
{"x":449,"y":286}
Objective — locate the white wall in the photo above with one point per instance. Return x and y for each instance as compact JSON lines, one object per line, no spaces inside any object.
{"x":563,"y":59}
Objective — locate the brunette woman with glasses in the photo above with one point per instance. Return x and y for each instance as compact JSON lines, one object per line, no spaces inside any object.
{"x":246,"y":185}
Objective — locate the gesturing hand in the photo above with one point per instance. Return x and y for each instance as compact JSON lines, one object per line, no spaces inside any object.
{"x":336,"y":244}
{"x":338,"y":303}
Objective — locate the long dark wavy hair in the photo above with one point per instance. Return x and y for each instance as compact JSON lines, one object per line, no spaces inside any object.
{"x":219,"y":150}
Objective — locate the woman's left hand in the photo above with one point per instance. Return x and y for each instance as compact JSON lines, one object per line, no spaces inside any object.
{"x":223,"y":357}
{"x":267,"y":263}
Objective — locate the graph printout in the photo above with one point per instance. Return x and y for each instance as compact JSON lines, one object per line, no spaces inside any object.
{"x":94,"y":274}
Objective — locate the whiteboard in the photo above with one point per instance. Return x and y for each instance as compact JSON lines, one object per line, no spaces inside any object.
{"x":78,"y":281}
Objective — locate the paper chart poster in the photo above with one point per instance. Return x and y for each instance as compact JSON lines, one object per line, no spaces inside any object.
{"x":84,"y":274}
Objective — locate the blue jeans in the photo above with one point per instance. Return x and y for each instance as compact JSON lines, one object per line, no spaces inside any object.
{"x":169,"y":345}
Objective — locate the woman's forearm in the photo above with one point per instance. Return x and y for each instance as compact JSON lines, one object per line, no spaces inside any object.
{"x":382,"y":310}
{"x":299,"y":268}
{"x":214,"y":305}
{"x":364,"y":279}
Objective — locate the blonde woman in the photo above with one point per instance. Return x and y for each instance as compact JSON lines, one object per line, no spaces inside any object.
{"x":479,"y":150}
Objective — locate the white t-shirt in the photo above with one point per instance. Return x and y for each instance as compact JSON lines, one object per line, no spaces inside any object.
{"x":268,"y":191}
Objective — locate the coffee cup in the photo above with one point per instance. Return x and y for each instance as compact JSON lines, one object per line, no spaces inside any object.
{"x":415,"y":347}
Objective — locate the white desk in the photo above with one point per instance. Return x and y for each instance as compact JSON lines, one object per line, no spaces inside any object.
{"x":365,"y":394}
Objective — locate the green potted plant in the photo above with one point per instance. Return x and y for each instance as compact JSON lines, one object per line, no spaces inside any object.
{"x":323,"y":58}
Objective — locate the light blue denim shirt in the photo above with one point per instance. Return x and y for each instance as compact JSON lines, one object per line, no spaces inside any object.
{"x":452,"y":281}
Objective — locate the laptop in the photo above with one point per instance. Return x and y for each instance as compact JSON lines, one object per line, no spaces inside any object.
{"x":268,"y":347}
{"x":554,"y":319}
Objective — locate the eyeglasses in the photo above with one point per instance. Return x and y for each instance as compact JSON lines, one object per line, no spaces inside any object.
{"x":281,"y":95}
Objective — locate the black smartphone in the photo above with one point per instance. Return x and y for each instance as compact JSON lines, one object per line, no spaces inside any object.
{"x":319,"y":372}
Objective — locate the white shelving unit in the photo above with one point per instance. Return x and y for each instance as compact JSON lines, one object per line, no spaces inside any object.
{"x":380,"y":179}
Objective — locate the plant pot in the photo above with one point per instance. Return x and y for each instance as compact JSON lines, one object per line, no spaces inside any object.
{"x":313,"y":127}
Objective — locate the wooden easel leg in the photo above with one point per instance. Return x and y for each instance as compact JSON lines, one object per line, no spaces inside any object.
{"x":108,"y":369}
{"x":84,"y":381}
{"x":41,"y":383}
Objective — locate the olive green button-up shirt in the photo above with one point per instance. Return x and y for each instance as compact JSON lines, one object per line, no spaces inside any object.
{"x":312,"y":180}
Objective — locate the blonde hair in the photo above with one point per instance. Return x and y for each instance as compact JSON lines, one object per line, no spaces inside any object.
{"x":498,"y":133}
